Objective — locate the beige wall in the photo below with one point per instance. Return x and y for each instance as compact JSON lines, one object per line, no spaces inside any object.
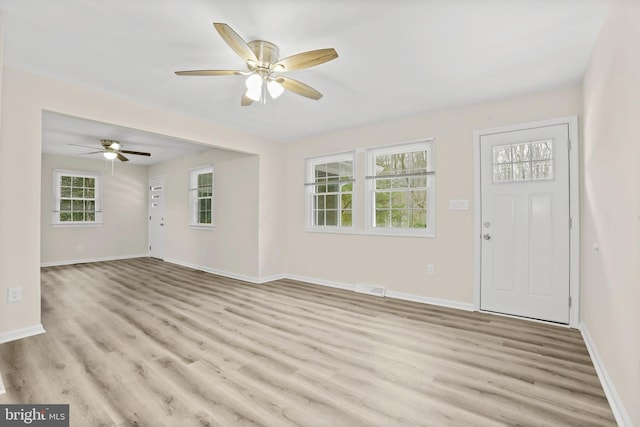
{"x":19,"y":228}
{"x":400,"y":264}
{"x":231,"y":247}
{"x":24,"y":97}
{"x":124,"y":232}
{"x":271,"y":239}
{"x":611,"y":202}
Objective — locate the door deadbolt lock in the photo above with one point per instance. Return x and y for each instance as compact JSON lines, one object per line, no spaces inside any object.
{"x":486,"y":224}
{"x":486,"y":236}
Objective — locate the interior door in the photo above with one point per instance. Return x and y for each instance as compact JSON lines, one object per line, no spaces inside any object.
{"x":156,"y":217}
{"x":525,"y":223}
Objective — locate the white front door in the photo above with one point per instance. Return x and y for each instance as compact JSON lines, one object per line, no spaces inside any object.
{"x":156,"y":217}
{"x":525,"y":223}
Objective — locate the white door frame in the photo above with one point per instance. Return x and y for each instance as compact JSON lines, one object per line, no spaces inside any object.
{"x":574,"y":208}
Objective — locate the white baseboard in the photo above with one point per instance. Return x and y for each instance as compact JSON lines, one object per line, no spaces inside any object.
{"x":86,"y":260}
{"x":329,"y":283}
{"x":322,"y":282}
{"x":389,"y":294}
{"x":433,"y":301}
{"x":17,"y":334}
{"x":273,"y":277}
{"x":243,"y":277}
{"x":622,"y":418}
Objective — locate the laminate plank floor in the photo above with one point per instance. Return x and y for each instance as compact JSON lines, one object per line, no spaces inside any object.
{"x":141,"y":342}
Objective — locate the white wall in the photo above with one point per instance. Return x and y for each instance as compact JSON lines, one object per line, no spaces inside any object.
{"x":611,"y":202}
{"x":400,"y":264}
{"x":24,"y":97}
{"x":231,"y":247}
{"x":124,"y":232}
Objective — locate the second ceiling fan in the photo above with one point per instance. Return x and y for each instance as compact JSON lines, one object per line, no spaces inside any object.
{"x":264,"y":67}
{"x":112,"y":149}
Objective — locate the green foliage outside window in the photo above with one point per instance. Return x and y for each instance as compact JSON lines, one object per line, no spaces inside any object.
{"x":77,"y":199}
{"x":205,"y":196}
{"x":401,"y":192}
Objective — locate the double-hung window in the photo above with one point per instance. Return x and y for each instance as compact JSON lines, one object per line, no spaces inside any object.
{"x":201,"y":189}
{"x":329,"y":185}
{"x":77,"y":198}
{"x":401,"y":189}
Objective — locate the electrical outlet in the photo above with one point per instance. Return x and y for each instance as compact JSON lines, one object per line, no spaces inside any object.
{"x":14,"y":294}
{"x":431,"y":269}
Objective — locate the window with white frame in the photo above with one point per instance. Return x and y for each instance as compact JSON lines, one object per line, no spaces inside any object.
{"x":401,"y":189}
{"x":201,"y":190}
{"x":329,"y":185}
{"x":77,"y":198}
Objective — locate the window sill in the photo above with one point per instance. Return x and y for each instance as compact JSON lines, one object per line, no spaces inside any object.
{"x":204,"y":227}
{"x":331,"y":230}
{"x":399,"y":233}
{"x":394,"y":233}
{"x":77,"y":224}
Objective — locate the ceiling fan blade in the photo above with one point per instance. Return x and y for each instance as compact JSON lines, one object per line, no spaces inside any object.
{"x":137,"y":153}
{"x":92,"y":152}
{"x":85,"y":146}
{"x":306,"y":59}
{"x":235,"y":42}
{"x":245,"y":101}
{"x":298,"y":87}
{"x":122,"y":158}
{"x":211,"y":73}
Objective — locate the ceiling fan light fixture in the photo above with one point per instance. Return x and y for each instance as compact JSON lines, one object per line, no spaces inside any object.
{"x":254,"y":94}
{"x":110,"y":155}
{"x":254,"y":82}
{"x":254,"y":87}
{"x":275,"y":89}
{"x":115,"y":145}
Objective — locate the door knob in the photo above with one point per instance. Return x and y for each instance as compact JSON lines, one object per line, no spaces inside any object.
{"x":486,"y":236}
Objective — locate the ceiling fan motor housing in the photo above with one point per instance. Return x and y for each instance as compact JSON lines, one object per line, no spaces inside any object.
{"x":266,"y":52}
{"x":106,"y":143}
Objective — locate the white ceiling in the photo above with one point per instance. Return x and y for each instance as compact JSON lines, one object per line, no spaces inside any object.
{"x":397,"y":58}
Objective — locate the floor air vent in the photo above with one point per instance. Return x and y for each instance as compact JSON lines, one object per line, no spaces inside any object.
{"x":377,"y":291}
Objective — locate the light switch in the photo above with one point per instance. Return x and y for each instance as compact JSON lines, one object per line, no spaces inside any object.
{"x":459,"y":205}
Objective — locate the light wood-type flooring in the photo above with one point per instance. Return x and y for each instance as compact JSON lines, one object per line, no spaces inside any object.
{"x":146,"y":343}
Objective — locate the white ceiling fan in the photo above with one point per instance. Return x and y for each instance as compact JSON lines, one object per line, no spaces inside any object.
{"x":264,"y":67}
